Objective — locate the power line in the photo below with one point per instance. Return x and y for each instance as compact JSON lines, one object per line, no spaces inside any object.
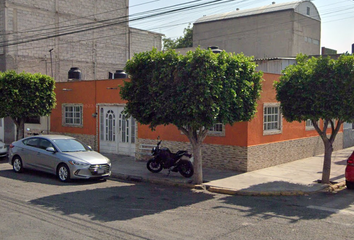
{"x":114,"y":22}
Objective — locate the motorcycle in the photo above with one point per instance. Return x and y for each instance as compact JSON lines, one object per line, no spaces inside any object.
{"x":165,"y":159}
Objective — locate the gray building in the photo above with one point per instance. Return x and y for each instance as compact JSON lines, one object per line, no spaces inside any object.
{"x":52,"y":36}
{"x":276,"y":30}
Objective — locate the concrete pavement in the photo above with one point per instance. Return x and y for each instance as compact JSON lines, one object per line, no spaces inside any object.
{"x":294,"y":178}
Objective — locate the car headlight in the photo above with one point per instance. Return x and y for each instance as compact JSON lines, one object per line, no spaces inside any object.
{"x":72,"y":162}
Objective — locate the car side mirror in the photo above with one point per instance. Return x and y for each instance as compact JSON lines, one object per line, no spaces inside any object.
{"x":89,"y":147}
{"x":50,"y":149}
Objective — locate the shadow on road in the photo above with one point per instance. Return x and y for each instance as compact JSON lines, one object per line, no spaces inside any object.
{"x":121,"y":203}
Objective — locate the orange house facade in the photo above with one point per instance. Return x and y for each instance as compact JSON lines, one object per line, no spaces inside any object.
{"x":92,"y":112}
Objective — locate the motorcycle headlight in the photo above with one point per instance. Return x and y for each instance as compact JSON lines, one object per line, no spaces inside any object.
{"x":77,"y":163}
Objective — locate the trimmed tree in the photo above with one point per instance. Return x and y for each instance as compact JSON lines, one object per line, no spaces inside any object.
{"x":319,"y":88}
{"x":182,"y":42}
{"x":193,"y":92}
{"x":25,"y":95}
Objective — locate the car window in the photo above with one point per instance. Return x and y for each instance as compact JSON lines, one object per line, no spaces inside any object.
{"x":33,"y":142}
{"x":70,"y":145}
{"x":44,"y":144}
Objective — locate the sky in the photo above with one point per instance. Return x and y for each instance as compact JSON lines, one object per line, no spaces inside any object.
{"x":337,"y":17}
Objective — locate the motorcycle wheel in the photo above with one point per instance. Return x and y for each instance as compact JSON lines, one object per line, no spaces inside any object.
{"x":154,"y":166}
{"x":186,"y":169}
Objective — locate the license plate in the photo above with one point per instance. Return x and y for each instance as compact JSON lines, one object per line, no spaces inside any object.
{"x":100,"y":171}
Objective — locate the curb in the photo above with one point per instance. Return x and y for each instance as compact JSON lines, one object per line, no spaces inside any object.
{"x":257,"y":193}
{"x":152,"y":180}
{"x":226,"y":191}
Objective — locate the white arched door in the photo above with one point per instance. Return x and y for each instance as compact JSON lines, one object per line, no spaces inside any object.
{"x":117,"y":132}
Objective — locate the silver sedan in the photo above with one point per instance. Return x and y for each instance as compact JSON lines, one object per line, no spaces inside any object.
{"x":3,"y":149}
{"x":63,"y":156}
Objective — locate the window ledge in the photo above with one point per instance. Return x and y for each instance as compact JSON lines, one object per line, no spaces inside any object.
{"x":72,"y":125}
{"x":271,"y":132}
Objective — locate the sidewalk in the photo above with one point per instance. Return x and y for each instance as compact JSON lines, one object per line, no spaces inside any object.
{"x":294,"y":178}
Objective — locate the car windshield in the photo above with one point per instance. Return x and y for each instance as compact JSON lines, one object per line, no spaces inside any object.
{"x":70,"y":145}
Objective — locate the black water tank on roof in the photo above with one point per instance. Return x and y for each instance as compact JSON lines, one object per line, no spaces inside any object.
{"x":215,"y":49}
{"x":120,"y":74}
{"x":74,"y":73}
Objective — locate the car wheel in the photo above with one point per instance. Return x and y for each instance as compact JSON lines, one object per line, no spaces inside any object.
{"x":17,"y":164}
{"x":350,"y":185}
{"x":63,"y":173}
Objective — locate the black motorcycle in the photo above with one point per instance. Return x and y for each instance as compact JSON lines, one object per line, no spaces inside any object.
{"x":165,"y":159}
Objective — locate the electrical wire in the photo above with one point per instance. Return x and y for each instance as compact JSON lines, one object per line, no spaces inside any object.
{"x":113,"y":22}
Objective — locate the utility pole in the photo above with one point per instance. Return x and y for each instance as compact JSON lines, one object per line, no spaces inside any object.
{"x":51,"y":68}
{"x":51,"y":61}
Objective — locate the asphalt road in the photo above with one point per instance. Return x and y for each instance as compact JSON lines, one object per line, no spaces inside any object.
{"x":37,"y":206}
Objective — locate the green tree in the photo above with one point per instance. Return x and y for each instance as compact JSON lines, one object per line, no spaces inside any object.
{"x":182,"y":42}
{"x":192,"y":91}
{"x":319,"y":88}
{"x":25,"y":95}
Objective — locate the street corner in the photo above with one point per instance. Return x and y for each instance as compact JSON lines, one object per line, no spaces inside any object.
{"x":336,"y":187}
{"x":265,"y":193}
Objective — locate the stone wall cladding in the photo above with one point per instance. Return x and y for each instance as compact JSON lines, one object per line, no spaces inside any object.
{"x":267,"y":155}
{"x":214,"y":156}
{"x":348,"y":138}
{"x":246,"y":159}
{"x":85,"y":138}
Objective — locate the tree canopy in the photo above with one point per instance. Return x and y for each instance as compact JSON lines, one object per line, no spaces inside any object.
{"x":319,"y":88}
{"x":182,"y":42}
{"x":192,"y":91}
{"x":25,"y":95}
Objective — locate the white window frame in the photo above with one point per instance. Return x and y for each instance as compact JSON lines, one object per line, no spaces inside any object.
{"x":309,"y":126}
{"x":217,"y":130}
{"x":278,"y":121}
{"x":77,"y":114}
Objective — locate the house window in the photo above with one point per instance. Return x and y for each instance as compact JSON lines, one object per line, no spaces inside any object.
{"x":72,"y":115}
{"x":308,"y":11}
{"x":33,"y":120}
{"x":217,"y":130}
{"x":309,"y":125}
{"x":271,"y":119}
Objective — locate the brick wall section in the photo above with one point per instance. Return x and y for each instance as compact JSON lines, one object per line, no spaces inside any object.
{"x":142,"y":41}
{"x":96,"y":52}
{"x":246,"y":159}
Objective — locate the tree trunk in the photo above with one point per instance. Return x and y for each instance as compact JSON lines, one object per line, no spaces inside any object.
{"x":198,"y":162}
{"x":328,"y":145}
{"x":326,"y":172}
{"x":20,"y":128}
{"x":196,"y":138}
